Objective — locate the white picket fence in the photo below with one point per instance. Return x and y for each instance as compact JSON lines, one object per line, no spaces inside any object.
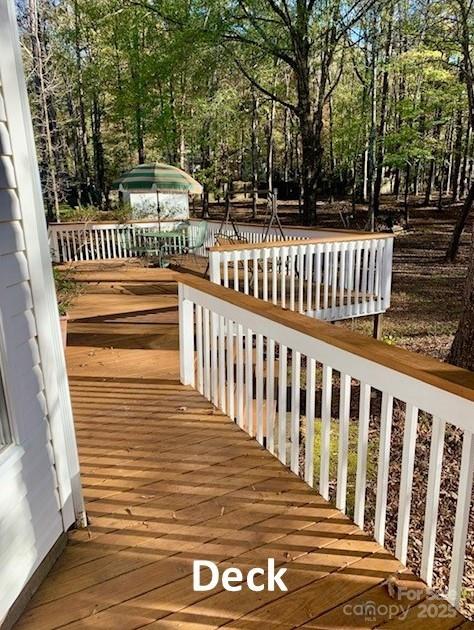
{"x":321,"y":278}
{"x":103,"y":241}
{"x":248,"y":358}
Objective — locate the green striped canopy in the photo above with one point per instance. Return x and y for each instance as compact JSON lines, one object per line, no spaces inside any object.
{"x":157,"y":177}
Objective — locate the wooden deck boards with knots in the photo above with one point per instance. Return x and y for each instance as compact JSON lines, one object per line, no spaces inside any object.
{"x":168,"y":479}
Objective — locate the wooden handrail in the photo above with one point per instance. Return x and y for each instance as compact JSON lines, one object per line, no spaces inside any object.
{"x":343,"y":238}
{"x":444,"y":376}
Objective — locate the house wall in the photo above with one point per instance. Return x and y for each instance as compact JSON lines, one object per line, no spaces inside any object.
{"x":30,"y":516}
{"x":36,"y":496}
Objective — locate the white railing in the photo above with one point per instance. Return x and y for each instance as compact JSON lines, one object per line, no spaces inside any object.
{"x":325,"y":278}
{"x":328,"y":274}
{"x":103,"y":241}
{"x":263,"y":367}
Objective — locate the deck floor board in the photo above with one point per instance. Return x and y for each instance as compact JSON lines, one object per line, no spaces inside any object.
{"x":168,"y":479}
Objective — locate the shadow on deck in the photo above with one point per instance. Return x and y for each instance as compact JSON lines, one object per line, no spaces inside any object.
{"x":168,"y":479}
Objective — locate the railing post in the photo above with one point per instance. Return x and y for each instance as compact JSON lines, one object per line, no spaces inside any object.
{"x":53,"y":244}
{"x":387,"y":273}
{"x":215,"y":267}
{"x":186,"y":338}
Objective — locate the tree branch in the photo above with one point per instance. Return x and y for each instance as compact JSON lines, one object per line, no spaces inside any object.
{"x":264,"y":90}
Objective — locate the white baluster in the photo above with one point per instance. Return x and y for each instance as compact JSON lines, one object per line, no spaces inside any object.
{"x":186,"y":338}
{"x":246,"y":256}
{"x":301,"y":279}
{"x":292,"y":276}
{"x":362,"y":452}
{"x":283,"y":272}
{"x":334,"y":273}
{"x":365,"y":272}
{"x":225,"y":260}
{"x":214,"y":365}
{"x":259,"y":387}
{"x":317,"y":284}
{"x":327,"y":261}
{"x":350,"y":278}
{"x":240,"y":376}
{"x":230,"y":370}
{"x":265,"y":254}
{"x":295,"y":410}
{"x":236,"y":257}
{"x":282,"y":376}
{"x":383,"y":466}
{"x":432,"y":499}
{"x":343,"y":310}
{"x":371,"y":284}
{"x":199,"y":351}
{"x":309,"y":277}
{"x":326,"y":397}
{"x":310,"y":403}
{"x":222,"y":366}
{"x":406,"y":482}
{"x":274,"y":276}
{"x":343,"y":451}
{"x":255,"y":272}
{"x":207,"y":362}
{"x":249,"y":425}
{"x":357,"y":279}
{"x":270,"y":395}
{"x":102,"y":253}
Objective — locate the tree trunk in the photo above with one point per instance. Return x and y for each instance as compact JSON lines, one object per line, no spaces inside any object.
{"x":430,"y":180}
{"x":457,"y":151}
{"x":371,"y":149}
{"x":332,"y":164}
{"x":453,"y":248}
{"x":310,"y":129}
{"x":98,"y":151}
{"x":383,"y":117}
{"x":465,"y":160}
{"x":309,"y":172}
{"x":462,"y":350}
{"x":84,"y":184}
{"x":407,"y":188}
{"x":255,"y":152}
{"x":270,"y":145}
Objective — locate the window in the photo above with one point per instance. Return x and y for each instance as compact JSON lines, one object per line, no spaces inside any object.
{"x":5,"y":434}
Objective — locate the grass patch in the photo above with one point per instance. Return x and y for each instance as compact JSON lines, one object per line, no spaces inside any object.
{"x":372,"y":453}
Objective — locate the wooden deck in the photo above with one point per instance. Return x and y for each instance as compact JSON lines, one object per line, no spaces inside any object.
{"x":168,"y":479}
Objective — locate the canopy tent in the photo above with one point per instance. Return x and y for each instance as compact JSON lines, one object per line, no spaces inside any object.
{"x":158,"y":188}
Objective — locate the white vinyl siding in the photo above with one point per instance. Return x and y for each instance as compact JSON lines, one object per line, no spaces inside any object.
{"x":30,"y":516}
